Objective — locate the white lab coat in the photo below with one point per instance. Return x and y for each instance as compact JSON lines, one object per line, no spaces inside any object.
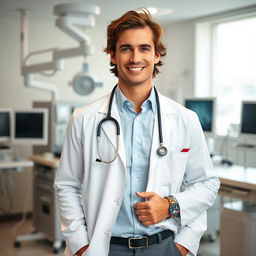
{"x":90,"y":193}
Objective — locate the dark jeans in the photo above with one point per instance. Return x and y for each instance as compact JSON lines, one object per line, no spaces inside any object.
{"x":165,"y":247}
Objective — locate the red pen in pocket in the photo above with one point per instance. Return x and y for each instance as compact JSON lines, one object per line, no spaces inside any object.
{"x":185,"y":150}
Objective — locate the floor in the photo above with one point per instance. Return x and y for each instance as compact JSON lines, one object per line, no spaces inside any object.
{"x":209,"y":248}
{"x":28,"y":248}
{"x":44,"y":248}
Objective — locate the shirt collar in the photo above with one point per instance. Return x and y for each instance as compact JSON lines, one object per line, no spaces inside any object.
{"x":149,"y":102}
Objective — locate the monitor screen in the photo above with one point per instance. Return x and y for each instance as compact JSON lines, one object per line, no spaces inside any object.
{"x":30,"y":126}
{"x":5,"y":124}
{"x":205,"y":111}
{"x":248,"y":118}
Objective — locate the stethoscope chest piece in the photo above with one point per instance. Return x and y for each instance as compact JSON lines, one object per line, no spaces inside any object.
{"x":162,"y":151}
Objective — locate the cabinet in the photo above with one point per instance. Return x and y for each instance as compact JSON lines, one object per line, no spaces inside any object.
{"x":238,"y":229}
{"x":46,"y":219}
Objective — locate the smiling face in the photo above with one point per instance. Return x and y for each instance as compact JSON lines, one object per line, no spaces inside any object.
{"x":135,"y":57}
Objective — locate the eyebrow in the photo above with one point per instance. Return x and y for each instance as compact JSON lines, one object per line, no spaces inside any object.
{"x":129,"y":45}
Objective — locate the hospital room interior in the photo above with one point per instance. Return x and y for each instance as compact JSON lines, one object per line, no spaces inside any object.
{"x":52,"y":62}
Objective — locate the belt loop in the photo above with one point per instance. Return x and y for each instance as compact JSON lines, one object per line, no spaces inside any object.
{"x":159,"y":237}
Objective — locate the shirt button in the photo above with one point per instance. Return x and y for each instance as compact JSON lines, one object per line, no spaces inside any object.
{"x":137,"y":158}
{"x":138,"y":138}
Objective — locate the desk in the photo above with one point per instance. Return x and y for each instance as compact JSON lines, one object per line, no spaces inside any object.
{"x":238,"y":219}
{"x":8,"y":165}
{"x":237,"y":182}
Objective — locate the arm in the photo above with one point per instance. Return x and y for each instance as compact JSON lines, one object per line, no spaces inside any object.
{"x":68,"y":185}
{"x":200,"y":180}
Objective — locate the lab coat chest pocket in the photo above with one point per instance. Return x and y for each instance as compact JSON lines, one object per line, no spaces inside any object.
{"x":175,"y":170}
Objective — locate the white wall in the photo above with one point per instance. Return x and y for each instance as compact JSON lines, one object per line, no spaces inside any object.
{"x":177,"y":80}
{"x":13,"y":94}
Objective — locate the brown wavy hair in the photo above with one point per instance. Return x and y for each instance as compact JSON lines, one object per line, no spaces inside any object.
{"x":130,"y":20}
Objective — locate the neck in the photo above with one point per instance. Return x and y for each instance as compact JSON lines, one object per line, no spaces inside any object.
{"x":136,"y":94}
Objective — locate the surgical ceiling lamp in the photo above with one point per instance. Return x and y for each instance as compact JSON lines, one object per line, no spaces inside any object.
{"x":72,"y":19}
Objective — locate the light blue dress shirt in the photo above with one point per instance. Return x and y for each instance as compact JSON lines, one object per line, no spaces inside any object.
{"x":137,"y":131}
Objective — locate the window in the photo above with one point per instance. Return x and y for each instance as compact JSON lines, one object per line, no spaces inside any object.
{"x":234,"y":69}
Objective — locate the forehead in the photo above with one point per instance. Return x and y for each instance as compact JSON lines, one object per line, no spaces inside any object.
{"x":136,"y":36}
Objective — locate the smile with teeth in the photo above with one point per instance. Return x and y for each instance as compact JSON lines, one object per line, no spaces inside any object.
{"x":135,"y":69}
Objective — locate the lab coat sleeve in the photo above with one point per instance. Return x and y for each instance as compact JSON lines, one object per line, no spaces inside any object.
{"x":201,"y":187}
{"x":68,"y":185}
{"x":190,"y":235}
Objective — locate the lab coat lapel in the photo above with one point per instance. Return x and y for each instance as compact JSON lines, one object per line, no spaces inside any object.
{"x":166,"y":113}
{"x":110,"y":130}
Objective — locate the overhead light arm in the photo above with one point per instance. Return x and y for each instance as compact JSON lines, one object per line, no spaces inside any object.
{"x":72,"y":18}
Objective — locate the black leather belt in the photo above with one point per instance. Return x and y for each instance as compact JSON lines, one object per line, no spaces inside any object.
{"x":142,"y":241}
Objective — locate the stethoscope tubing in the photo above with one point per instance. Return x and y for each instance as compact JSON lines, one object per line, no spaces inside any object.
{"x":161,"y":151}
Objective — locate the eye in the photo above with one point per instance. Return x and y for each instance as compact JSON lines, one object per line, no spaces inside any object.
{"x":125,"y":49}
{"x":145,"y":49}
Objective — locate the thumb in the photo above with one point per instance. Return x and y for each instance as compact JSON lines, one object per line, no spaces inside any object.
{"x":145,"y":194}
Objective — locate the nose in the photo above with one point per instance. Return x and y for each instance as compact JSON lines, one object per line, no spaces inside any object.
{"x":135,"y":56}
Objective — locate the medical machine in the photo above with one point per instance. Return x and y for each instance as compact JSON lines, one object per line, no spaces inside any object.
{"x":5,"y":133}
{"x":5,"y":125}
{"x":248,"y":119}
{"x":59,"y":115}
{"x":205,"y":109}
{"x":30,"y":127}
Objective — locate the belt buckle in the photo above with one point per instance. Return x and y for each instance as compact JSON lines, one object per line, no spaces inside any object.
{"x":136,"y":238}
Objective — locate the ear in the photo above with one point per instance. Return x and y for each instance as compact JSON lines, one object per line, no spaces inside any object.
{"x":112,"y":57}
{"x":157,"y":57}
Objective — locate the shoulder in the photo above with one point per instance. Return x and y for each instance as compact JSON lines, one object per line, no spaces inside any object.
{"x":172,"y":107}
{"x":90,"y":109}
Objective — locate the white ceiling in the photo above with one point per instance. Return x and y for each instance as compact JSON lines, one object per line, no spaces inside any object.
{"x":111,"y":9}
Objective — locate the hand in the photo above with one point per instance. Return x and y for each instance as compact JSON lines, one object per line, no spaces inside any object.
{"x":82,"y":250}
{"x":182,"y":249}
{"x":152,"y":211}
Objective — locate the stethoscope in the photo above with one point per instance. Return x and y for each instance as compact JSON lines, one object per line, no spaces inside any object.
{"x":161,"y":150}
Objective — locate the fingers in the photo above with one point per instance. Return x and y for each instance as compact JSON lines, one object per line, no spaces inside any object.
{"x":153,"y":210}
{"x":142,"y":212}
{"x":141,"y":205}
{"x":147,"y":220}
{"x":145,"y":217}
{"x":145,"y":194}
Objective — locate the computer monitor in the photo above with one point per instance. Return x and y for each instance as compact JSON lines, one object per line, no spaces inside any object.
{"x":248,"y":119}
{"x":5,"y":125}
{"x":205,"y":109}
{"x":30,"y":126}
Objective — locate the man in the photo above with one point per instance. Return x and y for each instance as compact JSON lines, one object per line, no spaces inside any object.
{"x":128,"y":199}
